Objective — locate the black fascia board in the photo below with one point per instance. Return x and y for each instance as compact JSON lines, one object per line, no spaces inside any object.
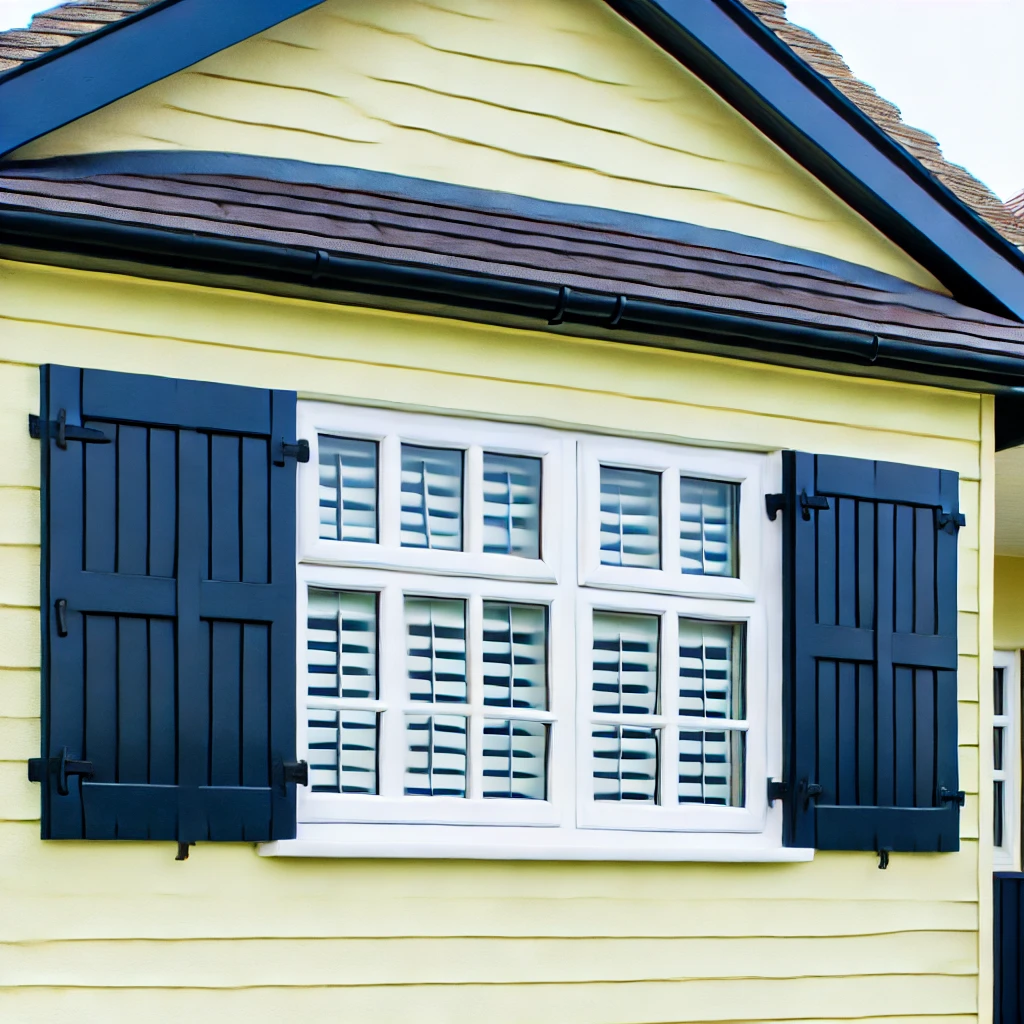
{"x":432,"y":289}
{"x":741,"y":59}
{"x":74,"y":80}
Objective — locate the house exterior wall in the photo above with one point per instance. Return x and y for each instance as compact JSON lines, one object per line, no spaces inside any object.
{"x":555,"y":99}
{"x":111,"y":932}
{"x":1009,"y":602}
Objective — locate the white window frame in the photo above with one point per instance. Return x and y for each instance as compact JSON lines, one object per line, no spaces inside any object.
{"x":670,"y":815}
{"x":391,"y":430}
{"x":745,"y":469}
{"x":567,"y":825}
{"x":1007,"y":856}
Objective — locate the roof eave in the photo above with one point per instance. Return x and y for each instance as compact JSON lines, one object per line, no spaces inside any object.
{"x":739,"y":57}
{"x":72,"y":81}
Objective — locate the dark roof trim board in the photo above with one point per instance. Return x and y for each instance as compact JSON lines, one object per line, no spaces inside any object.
{"x":806,"y":115}
{"x":174,"y":162}
{"x":74,"y":80}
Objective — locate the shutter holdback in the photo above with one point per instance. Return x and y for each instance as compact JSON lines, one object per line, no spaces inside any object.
{"x":776,"y":503}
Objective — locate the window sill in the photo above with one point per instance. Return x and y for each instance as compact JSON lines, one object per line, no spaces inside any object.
{"x":413,"y":842}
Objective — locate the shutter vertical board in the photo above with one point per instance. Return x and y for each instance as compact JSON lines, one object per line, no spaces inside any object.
{"x":1008,"y":951}
{"x":871,"y":656}
{"x":174,"y":548}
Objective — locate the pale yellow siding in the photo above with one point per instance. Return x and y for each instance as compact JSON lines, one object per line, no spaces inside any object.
{"x":120,"y":932}
{"x":1009,"y":603}
{"x":555,"y":99}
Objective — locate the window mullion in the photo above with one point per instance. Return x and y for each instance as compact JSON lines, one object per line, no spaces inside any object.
{"x":475,"y":695}
{"x":473,"y":500}
{"x":393,"y":692}
{"x":389,"y":498}
{"x":669,"y":691}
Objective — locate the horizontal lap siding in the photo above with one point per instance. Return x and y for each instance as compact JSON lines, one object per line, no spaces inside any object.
{"x":557,"y":99}
{"x":117,"y":932}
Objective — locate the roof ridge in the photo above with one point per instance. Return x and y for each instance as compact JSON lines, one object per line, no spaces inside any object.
{"x":823,"y":58}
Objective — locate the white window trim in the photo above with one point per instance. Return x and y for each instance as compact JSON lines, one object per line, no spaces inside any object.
{"x":390,"y":430}
{"x":1007,"y":856}
{"x":669,"y":815}
{"x":348,"y":825}
{"x":671,"y":461}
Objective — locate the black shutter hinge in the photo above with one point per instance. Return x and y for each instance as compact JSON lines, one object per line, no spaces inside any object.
{"x":883,"y":858}
{"x":299,"y":451}
{"x":776,"y":503}
{"x":949,"y":796}
{"x":62,"y":431}
{"x":810,"y":791}
{"x":62,"y":766}
{"x":776,"y":791}
{"x":297,"y":772}
{"x":949,"y":521}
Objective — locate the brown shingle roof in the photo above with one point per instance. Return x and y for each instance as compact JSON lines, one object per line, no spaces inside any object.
{"x":385,"y":226}
{"x":1015,"y":204}
{"x":62,"y":24}
{"x":829,"y":63}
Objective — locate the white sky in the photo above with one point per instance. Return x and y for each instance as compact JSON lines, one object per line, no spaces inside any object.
{"x":954,"y":67}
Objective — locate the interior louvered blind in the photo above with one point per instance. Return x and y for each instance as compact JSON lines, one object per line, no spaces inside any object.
{"x":711,"y":761}
{"x":515,"y":655}
{"x":431,"y":498}
{"x":625,"y":682}
{"x":630,"y":518}
{"x":511,"y":491}
{"x":348,"y":489}
{"x":341,"y":658}
{"x":169,"y":608}
{"x":871,"y":654}
{"x":707,"y":527}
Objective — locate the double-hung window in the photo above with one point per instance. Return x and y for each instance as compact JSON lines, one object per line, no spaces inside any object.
{"x":532,"y":640}
{"x":1005,"y":758}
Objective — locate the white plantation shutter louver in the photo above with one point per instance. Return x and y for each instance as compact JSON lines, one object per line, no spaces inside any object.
{"x":341,"y":669}
{"x":348,"y":489}
{"x":707,"y":527}
{"x":630,"y":518}
{"x":625,"y":682}
{"x":711,"y":761}
{"x":512,"y":505}
{"x":431,"y":498}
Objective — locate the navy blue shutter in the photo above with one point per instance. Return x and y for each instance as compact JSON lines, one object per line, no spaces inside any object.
{"x":870,"y":651}
{"x":168,"y":608}
{"x":1008,"y":948}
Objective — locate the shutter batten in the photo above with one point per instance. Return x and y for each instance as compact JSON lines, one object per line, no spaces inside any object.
{"x":173,"y":548}
{"x":871,"y":656}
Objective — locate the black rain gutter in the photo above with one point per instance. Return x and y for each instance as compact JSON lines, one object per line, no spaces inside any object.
{"x":547,"y":304}
{"x":753,"y":70}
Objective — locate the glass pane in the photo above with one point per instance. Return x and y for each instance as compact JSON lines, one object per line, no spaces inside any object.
{"x":342,"y":751}
{"x":341,"y":644}
{"x":436,"y":649}
{"x":515,"y":655}
{"x":431,"y":498}
{"x":435,"y":761}
{"x":711,"y":768}
{"x":998,"y":702}
{"x":997,"y":808}
{"x":710,"y":672}
{"x":625,"y":663}
{"x":512,"y":505}
{"x":515,"y":759}
{"x":707,"y":527}
{"x":630,"y":518}
{"x":625,"y":763}
{"x":348,"y":489}
{"x":997,"y":749}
